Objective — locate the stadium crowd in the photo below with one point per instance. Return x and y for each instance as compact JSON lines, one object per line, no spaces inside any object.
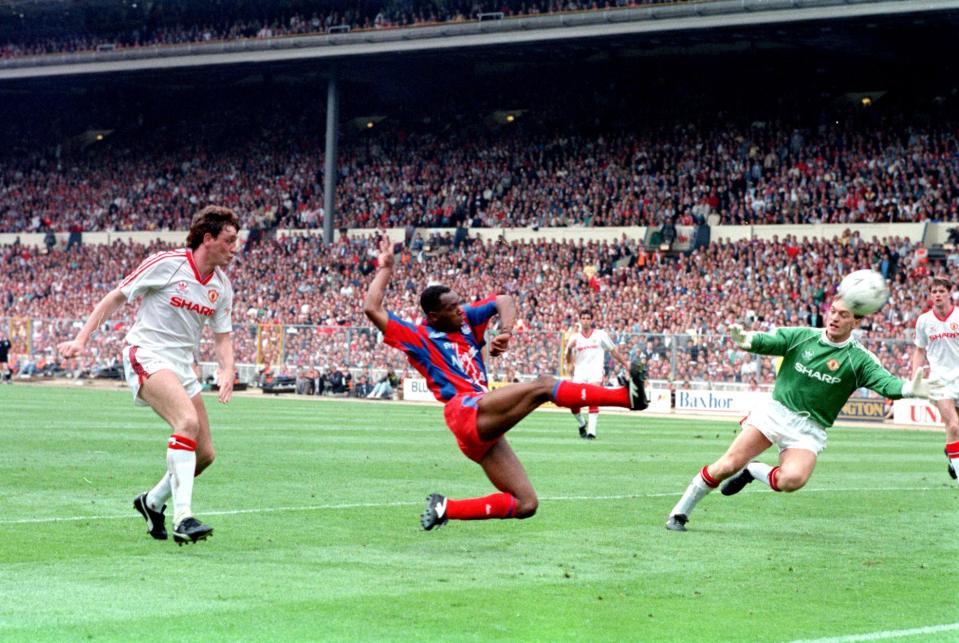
{"x":173,"y":23}
{"x":844,"y":172}
{"x":302,"y":300}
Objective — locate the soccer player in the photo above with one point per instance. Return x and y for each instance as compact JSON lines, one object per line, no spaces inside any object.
{"x":5,"y":373}
{"x":937,"y":341}
{"x":446,"y":350}
{"x":182,"y":291}
{"x":820,"y":369}
{"x":586,"y":353}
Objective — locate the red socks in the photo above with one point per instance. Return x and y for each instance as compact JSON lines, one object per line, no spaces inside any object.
{"x":570,"y":395}
{"x":497,"y":505}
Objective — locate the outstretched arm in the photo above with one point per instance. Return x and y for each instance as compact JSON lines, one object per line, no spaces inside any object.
{"x":373,"y":307}
{"x":506,"y":309}
{"x":102,"y":311}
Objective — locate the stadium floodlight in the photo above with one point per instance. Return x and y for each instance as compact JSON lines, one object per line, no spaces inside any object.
{"x":366,"y":122}
{"x":506,"y":116}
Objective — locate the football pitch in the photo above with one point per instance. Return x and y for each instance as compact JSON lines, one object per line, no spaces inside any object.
{"x":315,"y":507}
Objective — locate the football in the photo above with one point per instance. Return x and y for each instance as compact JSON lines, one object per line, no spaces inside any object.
{"x":864,"y":291}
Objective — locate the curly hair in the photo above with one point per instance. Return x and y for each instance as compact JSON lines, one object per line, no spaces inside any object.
{"x":212,"y":219}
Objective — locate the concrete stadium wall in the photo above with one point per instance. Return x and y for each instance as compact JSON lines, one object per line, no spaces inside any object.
{"x":925,"y":231}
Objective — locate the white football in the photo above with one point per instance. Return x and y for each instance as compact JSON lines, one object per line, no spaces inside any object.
{"x":864,"y":291}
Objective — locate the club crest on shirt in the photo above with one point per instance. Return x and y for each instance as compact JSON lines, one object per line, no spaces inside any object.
{"x":213,"y":295}
{"x":181,"y":287}
{"x":832,"y":364}
{"x":953,"y":326}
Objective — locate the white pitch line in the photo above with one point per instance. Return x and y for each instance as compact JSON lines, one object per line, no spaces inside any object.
{"x":375,"y":505}
{"x":886,"y":634}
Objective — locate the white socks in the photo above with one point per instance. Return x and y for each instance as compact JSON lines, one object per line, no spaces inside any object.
{"x":759,"y":471}
{"x":591,"y":423}
{"x":181,"y":463}
{"x":158,"y":495}
{"x":695,"y":492}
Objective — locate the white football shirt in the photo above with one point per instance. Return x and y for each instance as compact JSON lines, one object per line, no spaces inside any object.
{"x":940,"y":338}
{"x":589,"y":355}
{"x":177,"y":303}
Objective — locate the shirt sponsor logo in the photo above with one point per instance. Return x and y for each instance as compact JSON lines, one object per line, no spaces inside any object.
{"x":179,"y":302}
{"x":933,"y":338}
{"x":816,"y":375}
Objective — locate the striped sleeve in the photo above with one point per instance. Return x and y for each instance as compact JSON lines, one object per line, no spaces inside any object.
{"x":155,"y":272}
{"x":478,"y":315}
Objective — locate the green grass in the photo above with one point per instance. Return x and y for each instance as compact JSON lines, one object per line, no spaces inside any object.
{"x":316,"y":510}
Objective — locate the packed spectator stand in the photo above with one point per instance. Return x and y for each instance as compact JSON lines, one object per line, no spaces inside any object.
{"x":171,"y":23}
{"x":671,"y":311}
{"x":846,"y":172}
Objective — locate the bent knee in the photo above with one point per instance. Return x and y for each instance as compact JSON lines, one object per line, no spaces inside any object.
{"x":188,"y":427}
{"x":526,"y":507}
{"x":790,"y":482}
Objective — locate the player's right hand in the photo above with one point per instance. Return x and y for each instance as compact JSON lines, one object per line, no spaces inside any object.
{"x":386,"y":258}
{"x":71,"y":348}
{"x":742,"y":338}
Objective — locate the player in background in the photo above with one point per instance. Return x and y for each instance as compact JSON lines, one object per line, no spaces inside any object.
{"x":937,"y":341}
{"x":5,"y":373}
{"x":820,"y":369}
{"x":447,"y":351}
{"x":182,"y":290}
{"x":585,"y":358}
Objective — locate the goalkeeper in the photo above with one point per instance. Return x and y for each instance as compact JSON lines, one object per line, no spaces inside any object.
{"x":820,"y":370}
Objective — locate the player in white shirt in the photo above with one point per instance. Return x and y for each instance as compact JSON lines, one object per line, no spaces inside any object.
{"x":585,"y":358}
{"x":937,"y":341}
{"x":182,"y":291}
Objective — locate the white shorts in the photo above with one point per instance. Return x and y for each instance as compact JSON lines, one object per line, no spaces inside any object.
{"x":140,"y":363}
{"x":787,"y":429}
{"x":950,"y":391}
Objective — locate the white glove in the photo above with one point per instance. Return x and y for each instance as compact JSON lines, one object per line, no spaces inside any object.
{"x":922,"y":387}
{"x":742,"y":338}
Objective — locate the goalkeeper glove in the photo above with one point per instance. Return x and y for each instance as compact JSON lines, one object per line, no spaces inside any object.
{"x":742,"y":338}
{"x":922,"y":387}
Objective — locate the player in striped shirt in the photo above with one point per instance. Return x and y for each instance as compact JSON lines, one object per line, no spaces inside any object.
{"x":182,"y":291}
{"x":937,"y":341}
{"x":447,"y":351}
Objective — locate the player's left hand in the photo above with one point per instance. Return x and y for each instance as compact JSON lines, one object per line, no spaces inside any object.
{"x":225,"y":379}
{"x":922,"y":387}
{"x":499,"y":344}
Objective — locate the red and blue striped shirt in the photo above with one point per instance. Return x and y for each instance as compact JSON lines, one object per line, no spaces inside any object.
{"x":451,"y":363}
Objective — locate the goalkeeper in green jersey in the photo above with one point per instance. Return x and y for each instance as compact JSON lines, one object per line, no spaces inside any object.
{"x":820,"y":369}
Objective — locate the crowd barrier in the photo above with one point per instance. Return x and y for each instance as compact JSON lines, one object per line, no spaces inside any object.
{"x":738,"y":403}
{"x":705,"y":373}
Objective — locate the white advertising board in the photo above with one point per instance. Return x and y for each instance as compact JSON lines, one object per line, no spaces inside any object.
{"x":738,"y":402}
{"x":916,"y":412}
{"x":659,"y":400}
{"x":415,"y":389}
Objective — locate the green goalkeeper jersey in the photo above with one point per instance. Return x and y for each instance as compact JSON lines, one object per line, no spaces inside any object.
{"x":817,"y":376}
